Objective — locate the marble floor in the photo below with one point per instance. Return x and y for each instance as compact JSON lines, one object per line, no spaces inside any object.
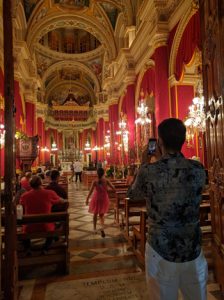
{"x":100,"y":268}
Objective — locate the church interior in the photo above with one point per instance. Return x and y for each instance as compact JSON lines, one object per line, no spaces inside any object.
{"x":89,"y":81}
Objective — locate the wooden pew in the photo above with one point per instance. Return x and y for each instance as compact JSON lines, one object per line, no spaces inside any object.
{"x":139,"y":237}
{"x":120,"y":203}
{"x":131,"y":214}
{"x":58,"y":252}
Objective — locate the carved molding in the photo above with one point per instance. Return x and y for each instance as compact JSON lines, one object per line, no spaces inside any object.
{"x":74,"y":65}
{"x":62,"y":20}
{"x":177,"y":38}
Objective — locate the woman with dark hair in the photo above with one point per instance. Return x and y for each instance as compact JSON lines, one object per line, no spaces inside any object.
{"x":99,"y":203}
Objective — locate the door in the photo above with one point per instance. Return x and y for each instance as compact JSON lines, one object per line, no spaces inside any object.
{"x":212,"y":29}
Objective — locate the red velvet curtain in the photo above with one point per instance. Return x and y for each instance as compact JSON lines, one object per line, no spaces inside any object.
{"x":161,"y":84}
{"x":18,"y":105}
{"x":128,"y":108}
{"x":190,"y":40}
{"x":148,"y":82}
{"x":113,"y":122}
{"x":30,"y":119}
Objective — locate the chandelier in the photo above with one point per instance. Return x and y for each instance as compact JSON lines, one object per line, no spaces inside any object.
{"x":2,"y":135}
{"x":142,"y":111}
{"x":123,"y":132}
{"x":196,"y":119}
{"x":87,"y":146}
{"x":54,"y":146}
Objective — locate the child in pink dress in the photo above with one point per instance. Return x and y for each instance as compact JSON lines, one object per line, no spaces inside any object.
{"x":99,"y":204}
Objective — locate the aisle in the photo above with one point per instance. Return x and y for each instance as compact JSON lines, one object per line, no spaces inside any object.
{"x":100,"y":268}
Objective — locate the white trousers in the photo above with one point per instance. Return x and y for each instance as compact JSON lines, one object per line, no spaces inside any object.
{"x":165,"y":279}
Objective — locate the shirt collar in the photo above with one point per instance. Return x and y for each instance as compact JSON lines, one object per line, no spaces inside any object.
{"x":172,"y":155}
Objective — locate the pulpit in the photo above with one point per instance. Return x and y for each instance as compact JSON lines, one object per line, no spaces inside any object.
{"x":26,"y":151}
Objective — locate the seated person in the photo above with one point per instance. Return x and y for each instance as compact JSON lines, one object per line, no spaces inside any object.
{"x":130,"y":176}
{"x":25,"y":181}
{"x":48,"y":176}
{"x":59,"y":190}
{"x":38,"y":201}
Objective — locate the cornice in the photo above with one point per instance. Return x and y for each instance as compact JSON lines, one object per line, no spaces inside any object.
{"x":70,"y":108}
{"x":70,"y":125}
{"x":82,"y":57}
{"x":188,"y":79}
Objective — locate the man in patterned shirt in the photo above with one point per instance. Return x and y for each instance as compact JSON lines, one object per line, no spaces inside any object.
{"x":172,"y":187}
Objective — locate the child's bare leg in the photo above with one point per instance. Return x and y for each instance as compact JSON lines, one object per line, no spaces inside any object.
{"x":102,"y":224}
{"x":94,"y":221}
{"x":102,"y":221}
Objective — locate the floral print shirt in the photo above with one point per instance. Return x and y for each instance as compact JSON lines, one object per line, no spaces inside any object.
{"x":172,"y":188}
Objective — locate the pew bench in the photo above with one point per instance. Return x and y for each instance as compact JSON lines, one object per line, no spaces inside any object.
{"x":139,"y":237}
{"x":131,"y":215}
{"x":58,"y":252}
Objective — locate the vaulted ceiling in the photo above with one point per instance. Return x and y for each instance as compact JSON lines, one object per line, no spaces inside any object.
{"x":71,"y":42}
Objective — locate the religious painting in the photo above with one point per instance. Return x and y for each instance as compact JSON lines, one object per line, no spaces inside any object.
{"x":112,"y":13}
{"x":96,"y":66}
{"x":73,"y":3}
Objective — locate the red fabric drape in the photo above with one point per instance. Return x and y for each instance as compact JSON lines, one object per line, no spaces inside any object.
{"x":30,"y":119}
{"x":161,"y":84}
{"x":190,"y":40}
{"x":148,"y":82}
{"x":100,"y":138}
{"x":113,"y":122}
{"x":18,"y":105}
{"x":128,"y":108}
{"x":171,"y":38}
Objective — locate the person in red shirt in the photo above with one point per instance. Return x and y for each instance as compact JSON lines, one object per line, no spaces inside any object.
{"x":25,"y":181}
{"x":38,"y":201}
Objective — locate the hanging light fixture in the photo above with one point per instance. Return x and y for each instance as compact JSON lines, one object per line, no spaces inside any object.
{"x":2,"y":135}
{"x":142,"y":111}
{"x":54,"y":146}
{"x":196,"y":119}
{"x":87,"y":146}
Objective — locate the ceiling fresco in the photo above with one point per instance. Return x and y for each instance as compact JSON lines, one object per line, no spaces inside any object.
{"x":72,"y":41}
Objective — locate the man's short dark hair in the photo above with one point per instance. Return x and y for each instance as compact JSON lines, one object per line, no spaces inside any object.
{"x":173,"y":133}
{"x":35,"y":182}
{"x":54,"y":174}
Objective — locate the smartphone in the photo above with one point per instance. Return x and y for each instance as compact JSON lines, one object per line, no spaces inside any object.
{"x":152,"y":146}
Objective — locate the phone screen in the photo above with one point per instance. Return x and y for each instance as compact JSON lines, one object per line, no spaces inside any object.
{"x":152,"y":146}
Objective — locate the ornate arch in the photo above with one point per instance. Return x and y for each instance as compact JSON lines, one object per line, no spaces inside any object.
{"x":148,"y":65}
{"x":120,"y":30}
{"x":67,"y":82}
{"x":177,"y":38}
{"x":20,"y":18}
{"x":62,"y":20}
{"x":76,"y":65}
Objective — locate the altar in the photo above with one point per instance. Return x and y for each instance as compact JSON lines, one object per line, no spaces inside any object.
{"x":66,"y":167}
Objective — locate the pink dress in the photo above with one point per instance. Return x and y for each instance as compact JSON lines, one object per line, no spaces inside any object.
{"x":99,"y":203}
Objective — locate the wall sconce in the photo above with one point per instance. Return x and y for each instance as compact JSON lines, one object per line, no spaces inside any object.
{"x":45,"y":149}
